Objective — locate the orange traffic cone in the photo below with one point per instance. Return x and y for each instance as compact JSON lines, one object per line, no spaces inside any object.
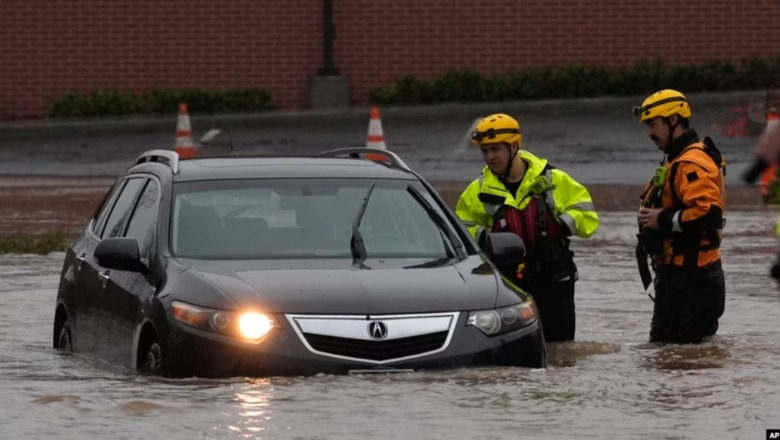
{"x":184,"y":145}
{"x":376,"y":138}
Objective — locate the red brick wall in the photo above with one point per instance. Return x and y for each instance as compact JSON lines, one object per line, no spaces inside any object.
{"x":48,"y":47}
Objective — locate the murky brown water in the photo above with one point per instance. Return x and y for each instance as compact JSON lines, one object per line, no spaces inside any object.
{"x":610,"y":383}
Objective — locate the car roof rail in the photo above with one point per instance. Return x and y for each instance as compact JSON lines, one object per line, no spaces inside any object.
{"x":162,"y":156}
{"x":356,"y":152}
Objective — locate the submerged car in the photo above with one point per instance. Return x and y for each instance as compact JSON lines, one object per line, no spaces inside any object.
{"x":222,"y":266}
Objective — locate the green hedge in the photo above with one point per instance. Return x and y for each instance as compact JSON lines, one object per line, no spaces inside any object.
{"x":38,"y":244}
{"x":576,"y":81}
{"x":158,"y":101}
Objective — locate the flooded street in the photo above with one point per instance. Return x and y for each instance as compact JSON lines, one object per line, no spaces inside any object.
{"x":610,"y":383}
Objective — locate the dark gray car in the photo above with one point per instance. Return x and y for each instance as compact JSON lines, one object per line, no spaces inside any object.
{"x":288,"y":266}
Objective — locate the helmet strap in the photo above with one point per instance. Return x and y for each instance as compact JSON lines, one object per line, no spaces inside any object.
{"x":505,"y":174}
{"x":672,"y":128}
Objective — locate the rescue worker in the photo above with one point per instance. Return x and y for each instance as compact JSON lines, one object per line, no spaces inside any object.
{"x":767,"y":150}
{"x":767,"y":160}
{"x":680,"y":221}
{"x":521,"y":193}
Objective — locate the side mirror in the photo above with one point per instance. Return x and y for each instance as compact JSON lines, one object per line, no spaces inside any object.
{"x":120,"y":253}
{"x":503,"y":244}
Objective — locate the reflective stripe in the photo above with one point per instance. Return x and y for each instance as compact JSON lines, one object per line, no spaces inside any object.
{"x":676,"y":222}
{"x":490,"y":209}
{"x":583,"y":206}
{"x":548,"y":196}
{"x":469,"y":223}
{"x":568,"y":220}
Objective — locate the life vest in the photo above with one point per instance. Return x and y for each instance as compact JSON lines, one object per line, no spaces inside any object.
{"x":531,"y":223}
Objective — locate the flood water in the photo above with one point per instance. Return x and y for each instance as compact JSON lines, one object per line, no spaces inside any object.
{"x":610,"y":383}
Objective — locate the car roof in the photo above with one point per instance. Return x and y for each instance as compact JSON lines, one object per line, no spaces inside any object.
{"x":218,"y":168}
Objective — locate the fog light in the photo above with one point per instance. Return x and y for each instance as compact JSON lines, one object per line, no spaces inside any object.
{"x":255,"y":325}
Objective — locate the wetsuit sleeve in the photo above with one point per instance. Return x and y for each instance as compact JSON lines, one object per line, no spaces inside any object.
{"x":471,"y":211}
{"x":698,"y":190}
{"x":574,"y":205}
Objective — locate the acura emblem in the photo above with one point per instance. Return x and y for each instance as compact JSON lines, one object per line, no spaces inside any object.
{"x":377,"y":330}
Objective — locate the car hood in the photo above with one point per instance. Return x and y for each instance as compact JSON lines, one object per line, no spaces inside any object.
{"x":468,"y":284}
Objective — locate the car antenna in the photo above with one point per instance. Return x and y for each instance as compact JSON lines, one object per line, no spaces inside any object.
{"x":230,"y":137}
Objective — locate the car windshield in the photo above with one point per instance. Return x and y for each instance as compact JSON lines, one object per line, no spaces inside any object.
{"x":306,"y":218}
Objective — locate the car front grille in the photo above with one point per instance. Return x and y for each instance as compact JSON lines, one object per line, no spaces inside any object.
{"x":375,"y":339}
{"x":377,"y":350}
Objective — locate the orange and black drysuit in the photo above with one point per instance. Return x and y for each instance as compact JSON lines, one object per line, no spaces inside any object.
{"x":689,"y":284}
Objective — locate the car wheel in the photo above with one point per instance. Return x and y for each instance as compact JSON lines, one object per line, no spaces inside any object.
{"x":65,"y":340}
{"x":153,"y":361}
{"x":535,"y":352}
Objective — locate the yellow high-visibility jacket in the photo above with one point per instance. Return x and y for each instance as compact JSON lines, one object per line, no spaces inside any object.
{"x":572,"y":204}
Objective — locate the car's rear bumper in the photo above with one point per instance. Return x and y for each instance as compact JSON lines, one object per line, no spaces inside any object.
{"x":283,"y":353}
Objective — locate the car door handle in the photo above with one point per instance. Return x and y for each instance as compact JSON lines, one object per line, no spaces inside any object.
{"x":104,"y":277}
{"x":80,"y":257}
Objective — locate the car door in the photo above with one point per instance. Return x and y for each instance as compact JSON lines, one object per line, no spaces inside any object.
{"x":126,"y":292}
{"x":81,"y":271}
{"x":91,"y":308}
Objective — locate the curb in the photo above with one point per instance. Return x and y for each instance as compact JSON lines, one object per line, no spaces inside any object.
{"x":359,"y":114}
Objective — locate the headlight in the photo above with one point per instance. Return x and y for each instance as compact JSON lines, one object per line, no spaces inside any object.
{"x":251,"y":326}
{"x":506,"y":319}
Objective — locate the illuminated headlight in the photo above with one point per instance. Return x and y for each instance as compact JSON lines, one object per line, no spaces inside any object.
{"x":505,"y":319}
{"x":252,"y":326}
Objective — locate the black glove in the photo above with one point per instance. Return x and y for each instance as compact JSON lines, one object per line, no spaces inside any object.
{"x":754,"y":172}
{"x":776,"y":270}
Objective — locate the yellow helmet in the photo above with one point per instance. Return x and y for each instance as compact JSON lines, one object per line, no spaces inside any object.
{"x":497,"y":128}
{"x":663,"y":104}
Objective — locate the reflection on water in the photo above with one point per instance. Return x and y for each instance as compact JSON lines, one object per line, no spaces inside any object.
{"x":255,"y":406}
{"x":711,"y":354}
{"x":610,"y":383}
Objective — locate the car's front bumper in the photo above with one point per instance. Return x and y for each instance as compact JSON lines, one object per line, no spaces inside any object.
{"x":289,"y":351}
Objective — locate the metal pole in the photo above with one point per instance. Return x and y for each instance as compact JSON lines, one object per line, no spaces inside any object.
{"x":328,"y":34}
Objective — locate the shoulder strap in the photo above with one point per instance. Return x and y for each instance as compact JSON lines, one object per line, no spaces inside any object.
{"x":714,"y":153}
{"x":676,"y":200}
{"x":546,"y":201}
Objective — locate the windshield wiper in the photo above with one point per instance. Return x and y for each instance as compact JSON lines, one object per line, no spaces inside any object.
{"x":438,"y":220}
{"x":356,"y":244}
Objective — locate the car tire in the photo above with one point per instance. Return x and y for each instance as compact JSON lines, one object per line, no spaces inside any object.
{"x":535,"y":352}
{"x":153,"y":359}
{"x":65,"y":338}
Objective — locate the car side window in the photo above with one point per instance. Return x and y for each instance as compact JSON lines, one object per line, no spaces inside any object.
{"x":105,"y":208}
{"x":122,"y":208}
{"x":141,"y":226}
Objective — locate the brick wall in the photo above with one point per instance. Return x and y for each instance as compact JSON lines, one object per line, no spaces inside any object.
{"x":48,"y":48}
